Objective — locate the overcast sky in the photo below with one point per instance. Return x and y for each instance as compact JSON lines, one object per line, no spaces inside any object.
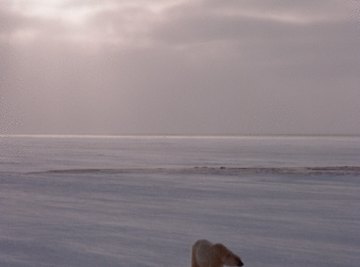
{"x":180,"y":67}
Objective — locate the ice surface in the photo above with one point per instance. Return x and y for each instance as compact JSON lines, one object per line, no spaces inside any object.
{"x":139,"y":202}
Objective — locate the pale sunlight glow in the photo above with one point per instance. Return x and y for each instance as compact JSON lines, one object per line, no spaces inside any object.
{"x":80,"y":23}
{"x":53,"y":9}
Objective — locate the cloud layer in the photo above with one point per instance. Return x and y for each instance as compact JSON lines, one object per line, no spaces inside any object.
{"x":180,"y":67}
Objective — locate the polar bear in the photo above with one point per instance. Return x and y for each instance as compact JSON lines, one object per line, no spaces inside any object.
{"x":206,"y":254}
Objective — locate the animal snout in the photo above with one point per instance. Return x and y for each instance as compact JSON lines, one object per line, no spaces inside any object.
{"x":240,"y":263}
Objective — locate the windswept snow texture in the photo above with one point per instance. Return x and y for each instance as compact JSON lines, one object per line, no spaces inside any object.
{"x":92,"y":202}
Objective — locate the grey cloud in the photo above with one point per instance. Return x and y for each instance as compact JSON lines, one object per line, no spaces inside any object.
{"x":204,"y":21}
{"x":308,"y":9}
{"x":258,"y":41}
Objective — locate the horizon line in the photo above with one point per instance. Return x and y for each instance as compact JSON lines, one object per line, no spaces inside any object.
{"x":177,"y":135}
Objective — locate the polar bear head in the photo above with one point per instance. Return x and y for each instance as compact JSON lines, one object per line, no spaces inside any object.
{"x":226,"y":256}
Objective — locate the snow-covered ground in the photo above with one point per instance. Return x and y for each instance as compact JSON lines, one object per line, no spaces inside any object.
{"x":139,"y":202}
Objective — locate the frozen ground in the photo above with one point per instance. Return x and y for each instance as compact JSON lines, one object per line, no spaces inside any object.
{"x":58,"y":210}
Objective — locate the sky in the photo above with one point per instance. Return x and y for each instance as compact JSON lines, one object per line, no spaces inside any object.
{"x":197,"y":67}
